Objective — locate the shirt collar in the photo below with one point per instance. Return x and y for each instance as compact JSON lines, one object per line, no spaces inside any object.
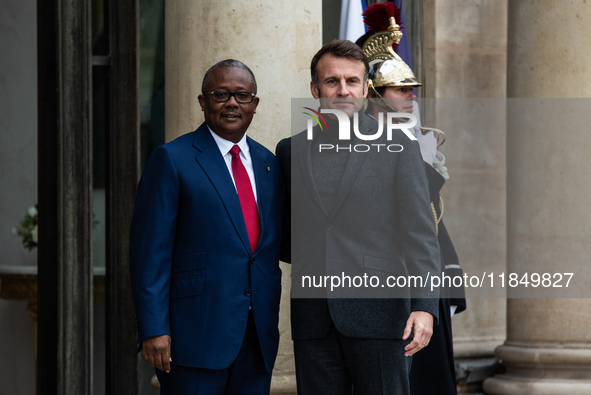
{"x":226,"y":145}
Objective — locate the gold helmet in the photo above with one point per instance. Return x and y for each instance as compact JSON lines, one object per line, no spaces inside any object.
{"x":386,"y":68}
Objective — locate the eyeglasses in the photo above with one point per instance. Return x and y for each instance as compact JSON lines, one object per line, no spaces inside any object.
{"x":222,"y":96}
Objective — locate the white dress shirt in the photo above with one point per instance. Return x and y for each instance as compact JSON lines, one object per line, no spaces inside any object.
{"x":225,"y":146}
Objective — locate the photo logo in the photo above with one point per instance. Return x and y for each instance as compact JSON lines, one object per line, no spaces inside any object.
{"x":345,"y":124}
{"x":345,"y":129}
{"x":318,"y":115}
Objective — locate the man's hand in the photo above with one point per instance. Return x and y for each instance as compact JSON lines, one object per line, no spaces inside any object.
{"x":422,"y":324}
{"x":156,"y":352}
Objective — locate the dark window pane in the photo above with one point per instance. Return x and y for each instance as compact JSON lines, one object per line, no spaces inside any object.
{"x":100,"y":27}
{"x":151,"y":76}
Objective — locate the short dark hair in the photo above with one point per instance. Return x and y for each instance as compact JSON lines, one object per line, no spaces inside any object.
{"x":339,"y":49}
{"x":227,"y":63}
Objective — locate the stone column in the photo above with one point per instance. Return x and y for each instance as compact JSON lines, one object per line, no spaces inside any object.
{"x":277,"y":41}
{"x":465,"y":73}
{"x":548,"y":346}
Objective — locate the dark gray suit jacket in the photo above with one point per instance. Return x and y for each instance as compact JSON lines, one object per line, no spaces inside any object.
{"x":378,"y":225}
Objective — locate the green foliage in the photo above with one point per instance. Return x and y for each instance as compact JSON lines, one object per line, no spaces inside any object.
{"x":27,"y":229}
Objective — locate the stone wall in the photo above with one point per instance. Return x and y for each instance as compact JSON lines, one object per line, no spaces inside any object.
{"x":465,"y":51}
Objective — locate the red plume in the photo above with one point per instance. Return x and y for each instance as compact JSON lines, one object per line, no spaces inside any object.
{"x":376,"y":17}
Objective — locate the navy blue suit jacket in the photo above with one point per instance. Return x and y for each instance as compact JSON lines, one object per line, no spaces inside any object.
{"x":192,"y":272}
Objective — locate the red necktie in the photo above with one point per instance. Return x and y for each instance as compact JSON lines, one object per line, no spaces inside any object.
{"x":246,"y":196}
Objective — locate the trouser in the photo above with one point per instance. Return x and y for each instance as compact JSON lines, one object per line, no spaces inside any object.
{"x":246,"y":376}
{"x":340,"y":365}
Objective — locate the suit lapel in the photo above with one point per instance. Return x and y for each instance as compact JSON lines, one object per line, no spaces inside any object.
{"x":354,"y":162}
{"x":303,"y":150}
{"x":211,"y":161}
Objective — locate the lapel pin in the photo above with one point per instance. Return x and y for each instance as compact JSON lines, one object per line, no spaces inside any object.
{"x":268,"y":169}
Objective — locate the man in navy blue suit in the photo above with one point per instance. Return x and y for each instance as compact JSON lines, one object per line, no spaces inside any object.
{"x":204,"y":249}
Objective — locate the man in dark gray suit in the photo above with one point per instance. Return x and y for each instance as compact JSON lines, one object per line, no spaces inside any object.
{"x":362,"y":220}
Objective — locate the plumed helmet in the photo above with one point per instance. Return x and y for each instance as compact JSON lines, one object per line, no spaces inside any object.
{"x":386,"y":68}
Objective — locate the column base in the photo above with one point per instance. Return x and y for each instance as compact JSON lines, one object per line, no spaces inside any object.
{"x":542,"y":369}
{"x":520,"y":386}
